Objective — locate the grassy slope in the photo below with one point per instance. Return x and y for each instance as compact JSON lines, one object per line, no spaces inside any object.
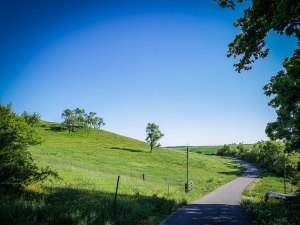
{"x":89,"y":163}
{"x":99,"y":157}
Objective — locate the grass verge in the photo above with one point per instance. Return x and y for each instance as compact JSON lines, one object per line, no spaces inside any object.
{"x":273,"y":211}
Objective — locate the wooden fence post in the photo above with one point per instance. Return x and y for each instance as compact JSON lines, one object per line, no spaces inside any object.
{"x":114,"y":207}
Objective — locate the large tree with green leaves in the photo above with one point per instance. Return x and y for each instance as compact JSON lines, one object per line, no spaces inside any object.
{"x":80,"y":119}
{"x":79,"y":116}
{"x":153,"y":135}
{"x":99,"y":123}
{"x":285,"y":90}
{"x":263,"y":16}
{"x":17,"y":133}
{"x":282,"y":17}
{"x":69,"y":119}
{"x":91,"y":119}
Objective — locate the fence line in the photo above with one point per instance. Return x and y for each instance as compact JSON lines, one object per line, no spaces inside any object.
{"x":164,"y":185}
{"x":112,"y":184}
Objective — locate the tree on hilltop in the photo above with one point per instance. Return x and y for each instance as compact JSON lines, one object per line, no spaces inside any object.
{"x":153,"y":135}
{"x":282,"y":17}
{"x":91,"y":119}
{"x":69,"y":120}
{"x":79,"y":119}
{"x":99,"y":123}
{"x":79,"y":116}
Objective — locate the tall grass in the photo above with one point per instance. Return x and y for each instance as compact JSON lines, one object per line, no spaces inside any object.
{"x":89,"y":163}
{"x":273,"y":211}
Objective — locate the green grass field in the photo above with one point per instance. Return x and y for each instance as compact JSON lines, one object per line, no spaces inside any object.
{"x":89,"y":163}
{"x":207,"y":150}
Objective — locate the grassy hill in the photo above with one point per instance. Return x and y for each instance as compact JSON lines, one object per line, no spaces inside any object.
{"x":89,"y":163}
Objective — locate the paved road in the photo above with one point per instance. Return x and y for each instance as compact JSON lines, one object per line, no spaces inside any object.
{"x":222,"y":206}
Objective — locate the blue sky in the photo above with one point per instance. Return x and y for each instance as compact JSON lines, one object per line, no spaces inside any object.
{"x":135,"y":62}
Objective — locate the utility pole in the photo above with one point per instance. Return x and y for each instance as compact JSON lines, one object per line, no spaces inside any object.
{"x":187,"y":164}
{"x":284,"y":171}
{"x":189,"y":186}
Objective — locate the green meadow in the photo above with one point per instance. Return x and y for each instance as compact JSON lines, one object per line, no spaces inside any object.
{"x":208,"y":150}
{"x":151,"y":185}
{"x":197,"y":149}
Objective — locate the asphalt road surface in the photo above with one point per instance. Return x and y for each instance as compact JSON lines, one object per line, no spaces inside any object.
{"x":222,"y":206}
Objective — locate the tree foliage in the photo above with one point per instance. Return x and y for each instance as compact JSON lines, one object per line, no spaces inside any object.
{"x":259,"y":19}
{"x":153,"y":135}
{"x":17,"y":133}
{"x":267,"y":155}
{"x":33,"y":120}
{"x":69,"y":120}
{"x":226,"y":150}
{"x":79,"y":119}
{"x":285,"y":90}
{"x":283,"y":17}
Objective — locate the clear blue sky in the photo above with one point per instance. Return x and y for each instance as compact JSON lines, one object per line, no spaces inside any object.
{"x":135,"y":62}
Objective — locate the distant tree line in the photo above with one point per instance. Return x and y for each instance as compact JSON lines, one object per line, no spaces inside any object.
{"x":267,"y":155}
{"x":79,"y":119}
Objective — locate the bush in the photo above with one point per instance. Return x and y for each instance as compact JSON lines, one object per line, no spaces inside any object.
{"x":56,"y":128}
{"x":16,"y":164}
{"x":226,"y":150}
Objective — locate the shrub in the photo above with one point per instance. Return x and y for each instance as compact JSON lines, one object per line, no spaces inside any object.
{"x":226,"y":150}
{"x":16,"y":164}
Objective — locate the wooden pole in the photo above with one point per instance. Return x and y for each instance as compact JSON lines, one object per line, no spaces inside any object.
{"x":187,"y":164}
{"x":284,"y":180}
{"x":114,"y":207}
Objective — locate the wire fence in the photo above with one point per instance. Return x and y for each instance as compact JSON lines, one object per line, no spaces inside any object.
{"x":124,"y":186}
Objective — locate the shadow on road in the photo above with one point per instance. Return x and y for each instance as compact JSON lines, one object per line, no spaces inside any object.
{"x":210,"y":214}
